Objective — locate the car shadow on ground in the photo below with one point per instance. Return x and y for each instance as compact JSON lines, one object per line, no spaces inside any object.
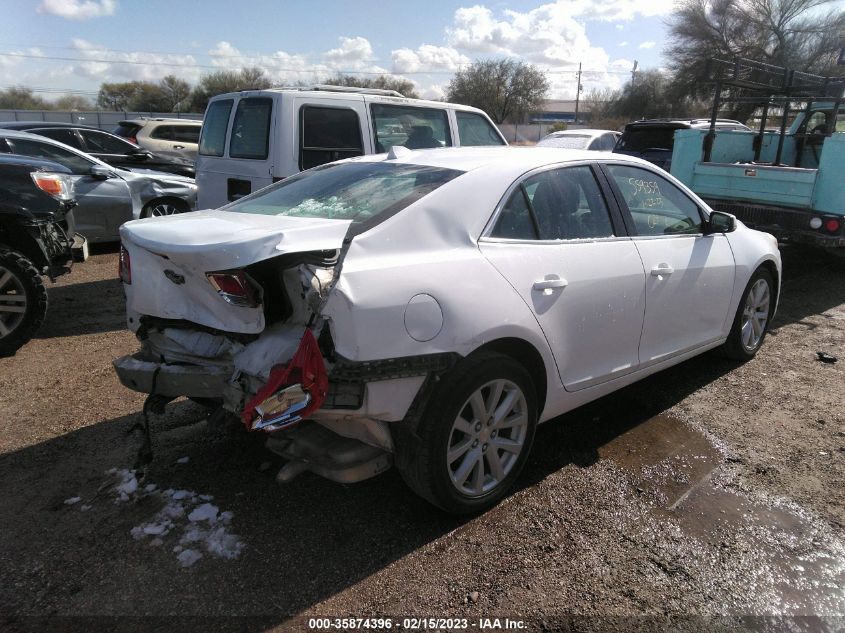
{"x":88,"y":307}
{"x":305,"y":541}
{"x":812,"y":284}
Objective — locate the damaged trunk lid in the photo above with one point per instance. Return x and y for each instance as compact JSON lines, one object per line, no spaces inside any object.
{"x":169,"y":261}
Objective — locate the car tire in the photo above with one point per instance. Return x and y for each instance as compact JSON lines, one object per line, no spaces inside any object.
{"x":752,"y":318}
{"x":20,"y":283}
{"x":451,"y":427}
{"x":164,"y":206}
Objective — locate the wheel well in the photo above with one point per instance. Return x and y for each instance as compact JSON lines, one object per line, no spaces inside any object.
{"x":527,"y":355}
{"x":773,"y":270}
{"x":171,"y":199}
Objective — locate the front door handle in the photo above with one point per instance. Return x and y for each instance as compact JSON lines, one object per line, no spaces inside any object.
{"x":549,"y":282}
{"x":662,"y":269}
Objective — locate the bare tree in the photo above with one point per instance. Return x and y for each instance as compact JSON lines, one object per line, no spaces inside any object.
{"x":382,"y":82}
{"x":175,"y":92}
{"x":227,"y":81}
{"x":73,"y":103}
{"x":800,"y":34}
{"x":504,"y":88}
{"x":21,"y":98}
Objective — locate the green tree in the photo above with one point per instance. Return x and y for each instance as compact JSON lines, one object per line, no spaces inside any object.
{"x":504,"y":88}
{"x":21,"y":98}
{"x":227,"y":81}
{"x":72,"y":102}
{"x":117,"y":96}
{"x":382,"y":82}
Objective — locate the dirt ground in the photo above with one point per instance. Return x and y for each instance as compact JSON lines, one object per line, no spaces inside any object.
{"x":696,"y":499}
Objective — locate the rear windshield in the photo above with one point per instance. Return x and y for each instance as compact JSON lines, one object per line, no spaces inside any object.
{"x":350,"y":191}
{"x":570,"y":141}
{"x":639,"y":139}
{"x":213,"y":136}
{"x":251,"y":129}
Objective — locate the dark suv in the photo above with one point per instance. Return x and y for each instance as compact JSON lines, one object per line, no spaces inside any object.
{"x":109,"y":148}
{"x":36,"y":238}
{"x":653,"y":139}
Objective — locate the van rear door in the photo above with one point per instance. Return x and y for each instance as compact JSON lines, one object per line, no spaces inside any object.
{"x":236,"y":148}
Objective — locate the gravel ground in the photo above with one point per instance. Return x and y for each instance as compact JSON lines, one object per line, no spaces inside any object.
{"x":708,"y":492}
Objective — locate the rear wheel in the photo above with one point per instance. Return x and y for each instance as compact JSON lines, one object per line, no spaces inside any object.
{"x":23,"y":301}
{"x":165,"y":206}
{"x":752,"y":318}
{"x":474,"y":437}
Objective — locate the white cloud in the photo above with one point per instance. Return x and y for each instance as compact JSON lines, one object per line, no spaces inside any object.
{"x":427,"y":57}
{"x":620,"y":27}
{"x":105,"y":65}
{"x":352,"y":50}
{"x":622,"y":44}
{"x":649,"y":44}
{"x":78,"y":9}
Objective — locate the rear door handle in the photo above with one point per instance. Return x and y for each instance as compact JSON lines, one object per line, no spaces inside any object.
{"x":662,"y":269}
{"x":549,"y":282}
{"x":178,"y":147}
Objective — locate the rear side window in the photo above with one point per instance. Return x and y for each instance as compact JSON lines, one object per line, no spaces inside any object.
{"x":327,"y":135}
{"x":213,"y":137}
{"x":163,"y":132}
{"x":474,"y":129}
{"x":251,"y":129}
{"x":186,"y":133}
{"x":68,"y":137}
{"x":100,"y":142}
{"x":414,"y":128}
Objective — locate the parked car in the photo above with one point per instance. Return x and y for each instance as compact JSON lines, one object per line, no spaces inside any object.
{"x":597,"y":140}
{"x":432,"y":307}
{"x":106,"y":196}
{"x":36,"y":238}
{"x":238,"y":154}
{"x":107,"y":147}
{"x":653,"y":139}
{"x":172,"y":137}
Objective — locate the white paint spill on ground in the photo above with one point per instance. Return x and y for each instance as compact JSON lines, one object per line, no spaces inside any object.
{"x":187,"y":518}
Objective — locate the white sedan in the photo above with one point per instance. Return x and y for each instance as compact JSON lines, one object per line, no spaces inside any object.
{"x":430,"y":308}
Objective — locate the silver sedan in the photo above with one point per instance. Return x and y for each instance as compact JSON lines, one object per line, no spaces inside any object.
{"x":107,"y":196}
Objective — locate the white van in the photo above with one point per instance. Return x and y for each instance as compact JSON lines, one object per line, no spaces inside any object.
{"x":253,"y":138}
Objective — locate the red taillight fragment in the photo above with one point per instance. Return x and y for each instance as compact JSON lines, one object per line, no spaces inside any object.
{"x":124,"y":266}
{"x":832,"y":225}
{"x":236,"y":288}
{"x":132,"y":139}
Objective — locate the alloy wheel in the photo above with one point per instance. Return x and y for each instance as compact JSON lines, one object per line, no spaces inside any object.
{"x":12,"y":302}
{"x":755,"y":315}
{"x":164,"y":208}
{"x":487,"y":437}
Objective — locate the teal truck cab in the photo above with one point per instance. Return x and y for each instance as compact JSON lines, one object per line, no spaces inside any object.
{"x":788,"y":181}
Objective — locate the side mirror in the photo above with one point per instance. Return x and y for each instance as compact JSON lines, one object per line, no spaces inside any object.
{"x":720,"y":222}
{"x":100,"y":172}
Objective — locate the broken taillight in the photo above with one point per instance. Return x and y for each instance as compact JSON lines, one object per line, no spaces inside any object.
{"x":236,"y":287}
{"x":124,"y":266}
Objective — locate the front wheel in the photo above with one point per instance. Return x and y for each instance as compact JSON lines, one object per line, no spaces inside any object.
{"x":23,"y":301}
{"x":474,"y":436}
{"x":158,"y":208}
{"x":752,"y":318}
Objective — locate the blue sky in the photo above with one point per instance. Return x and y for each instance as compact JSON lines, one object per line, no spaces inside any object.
{"x":422,"y":41}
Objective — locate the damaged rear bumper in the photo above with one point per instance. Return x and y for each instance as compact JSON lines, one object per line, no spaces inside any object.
{"x":164,"y":379}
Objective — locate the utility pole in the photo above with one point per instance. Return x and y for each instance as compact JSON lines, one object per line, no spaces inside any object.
{"x":578,"y":93}
{"x":634,"y":72}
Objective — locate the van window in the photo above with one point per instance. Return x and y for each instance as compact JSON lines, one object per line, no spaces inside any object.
{"x":251,"y":129}
{"x":474,"y":129}
{"x":328,"y":134}
{"x":213,"y":137}
{"x":415,"y":128}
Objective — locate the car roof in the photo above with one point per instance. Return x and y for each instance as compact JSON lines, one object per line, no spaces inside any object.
{"x":44,"y":139}
{"x":682,"y":122}
{"x":142,"y":121}
{"x":29,"y":161}
{"x":32,"y":125}
{"x":584,"y":132}
{"x":516,"y":160}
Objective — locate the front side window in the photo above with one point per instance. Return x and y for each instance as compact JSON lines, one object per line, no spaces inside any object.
{"x":77,"y":164}
{"x":213,"y":137}
{"x":657,"y":206}
{"x":328,"y":134}
{"x":251,"y":129}
{"x":560,"y":204}
{"x":102,"y":143}
{"x":359,"y":192}
{"x":475,"y":130}
{"x":414,"y":128}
